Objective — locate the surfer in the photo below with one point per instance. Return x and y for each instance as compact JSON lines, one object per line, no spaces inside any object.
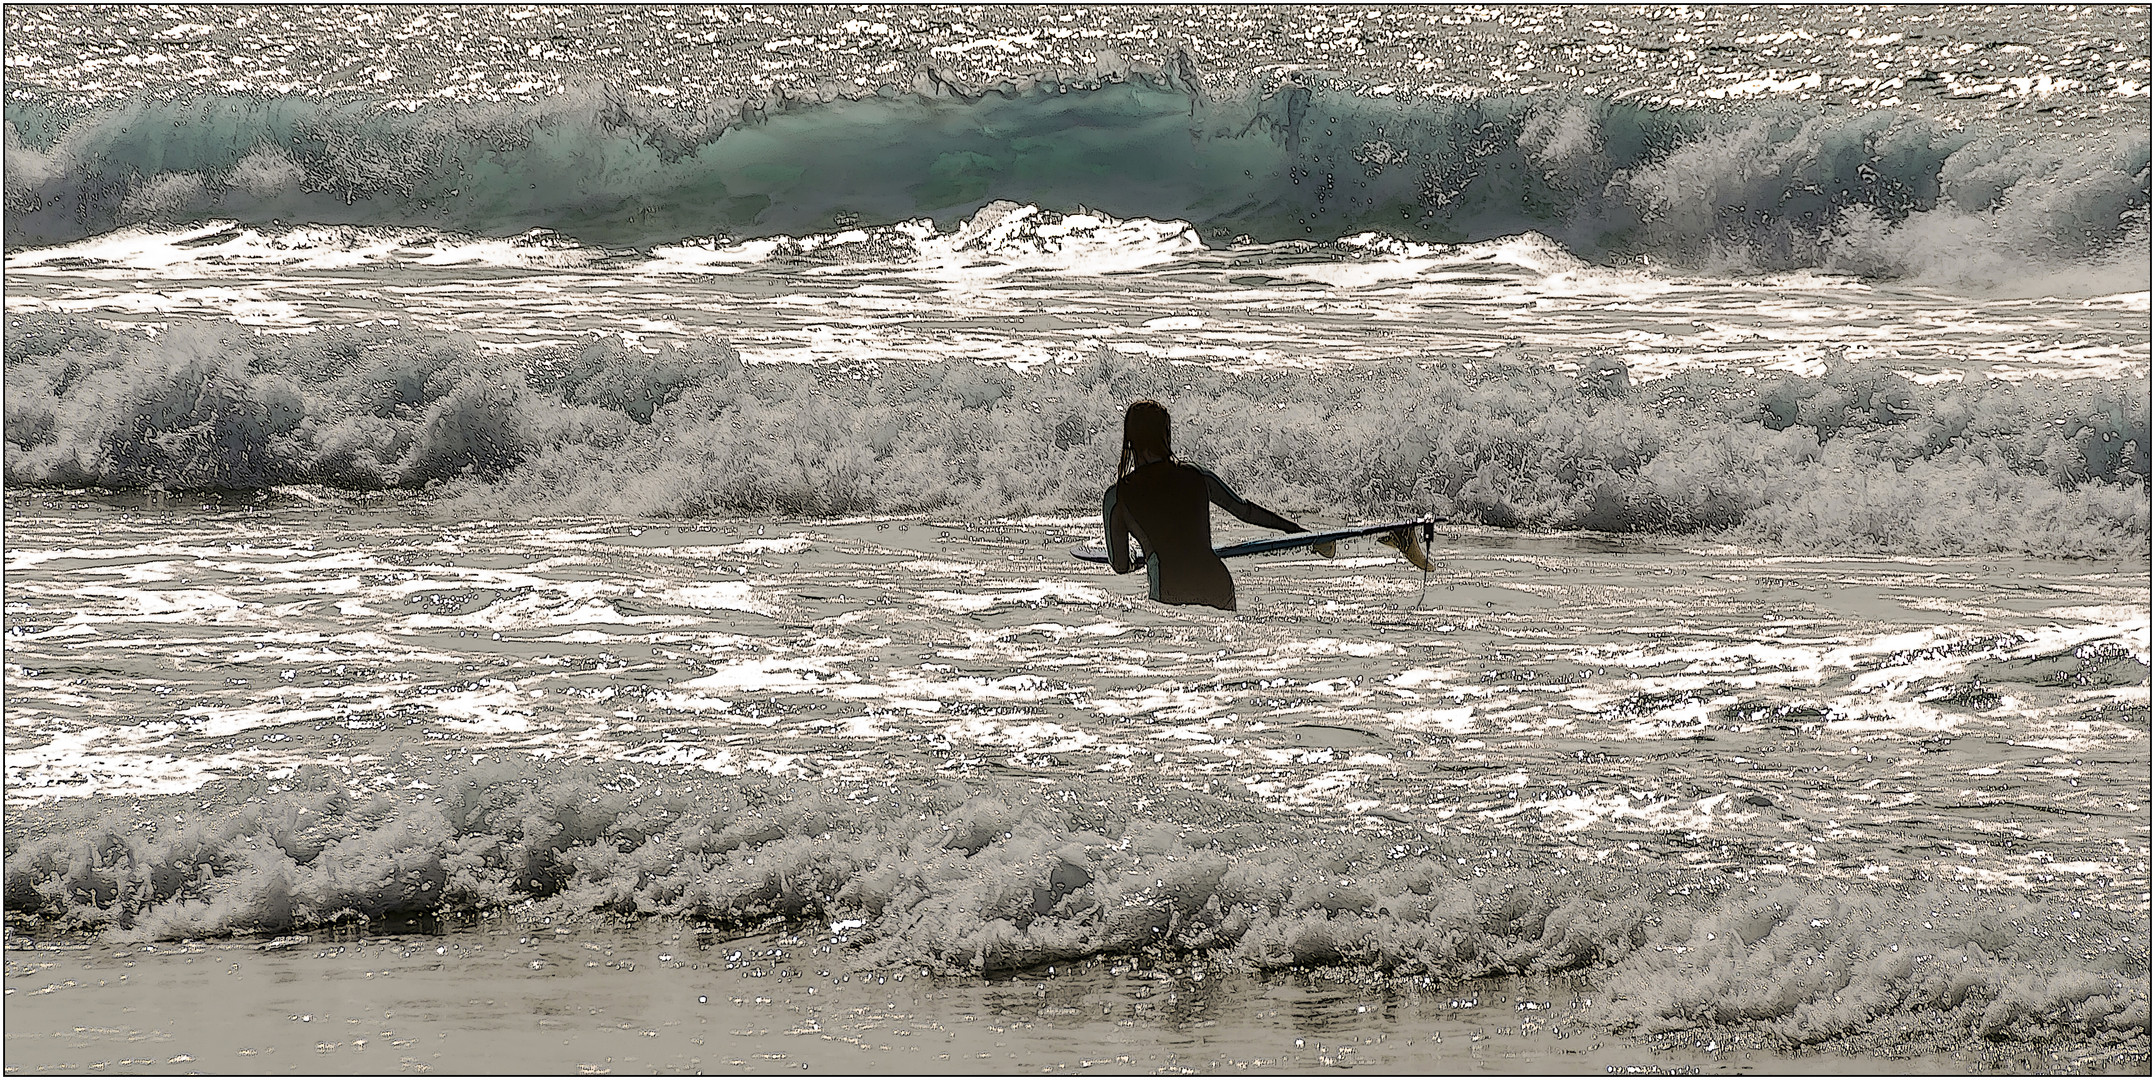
{"x":1165,"y":503}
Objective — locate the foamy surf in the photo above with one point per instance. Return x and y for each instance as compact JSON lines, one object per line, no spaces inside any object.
{"x":1352,"y":773}
{"x":1822,"y":454}
{"x":620,"y":479}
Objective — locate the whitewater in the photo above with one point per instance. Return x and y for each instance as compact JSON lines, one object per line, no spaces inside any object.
{"x":562,"y":515}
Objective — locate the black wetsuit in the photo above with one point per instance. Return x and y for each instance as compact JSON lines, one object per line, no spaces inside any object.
{"x":1166,"y":505}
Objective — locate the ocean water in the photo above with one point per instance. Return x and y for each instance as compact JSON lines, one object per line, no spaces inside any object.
{"x":481,"y":468}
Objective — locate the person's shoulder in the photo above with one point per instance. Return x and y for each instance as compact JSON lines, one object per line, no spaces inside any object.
{"x":1177,"y":471}
{"x":1169,"y":467}
{"x":1172,"y":472}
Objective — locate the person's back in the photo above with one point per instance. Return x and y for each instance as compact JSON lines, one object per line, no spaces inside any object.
{"x":1170,"y":513}
{"x":1167,"y":505}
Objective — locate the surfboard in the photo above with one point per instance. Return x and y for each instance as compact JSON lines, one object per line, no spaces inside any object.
{"x":1410,"y":537}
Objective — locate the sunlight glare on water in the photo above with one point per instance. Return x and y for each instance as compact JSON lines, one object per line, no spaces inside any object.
{"x":1607,"y":699}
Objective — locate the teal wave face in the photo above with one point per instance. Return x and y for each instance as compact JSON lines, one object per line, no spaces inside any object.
{"x":1268,"y":167}
{"x":1782,"y":187}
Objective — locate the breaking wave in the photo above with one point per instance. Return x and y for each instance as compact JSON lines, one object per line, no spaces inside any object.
{"x":1001,"y":237}
{"x":1856,"y":457}
{"x":1775,"y":187}
{"x":984,"y":876}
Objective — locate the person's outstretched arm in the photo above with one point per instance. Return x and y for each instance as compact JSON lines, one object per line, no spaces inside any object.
{"x":1225,"y":497}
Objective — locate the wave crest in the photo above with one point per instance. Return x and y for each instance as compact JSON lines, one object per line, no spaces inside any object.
{"x":1775,"y":187}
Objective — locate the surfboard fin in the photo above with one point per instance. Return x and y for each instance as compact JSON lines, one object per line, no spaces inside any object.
{"x":1409,"y":543}
{"x":1327,"y":549}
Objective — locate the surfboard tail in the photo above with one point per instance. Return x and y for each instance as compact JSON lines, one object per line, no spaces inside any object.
{"x":1408,"y":541}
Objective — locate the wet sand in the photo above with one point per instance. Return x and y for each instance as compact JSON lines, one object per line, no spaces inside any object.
{"x":666,"y":997}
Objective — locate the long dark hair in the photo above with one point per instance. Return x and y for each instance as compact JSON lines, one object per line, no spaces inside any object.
{"x":1144,"y":426}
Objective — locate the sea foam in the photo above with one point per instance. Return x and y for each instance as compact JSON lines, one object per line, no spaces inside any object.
{"x":982,"y":876}
{"x":1853,"y":456}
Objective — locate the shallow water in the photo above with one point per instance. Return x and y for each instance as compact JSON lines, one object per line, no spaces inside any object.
{"x":509,"y":997}
{"x":1757,"y":740}
{"x":1590,"y":686}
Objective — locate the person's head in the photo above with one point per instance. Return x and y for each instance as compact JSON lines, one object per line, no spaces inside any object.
{"x":1145,"y":432}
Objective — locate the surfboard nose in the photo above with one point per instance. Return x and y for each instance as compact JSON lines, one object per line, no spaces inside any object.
{"x":1409,"y":542}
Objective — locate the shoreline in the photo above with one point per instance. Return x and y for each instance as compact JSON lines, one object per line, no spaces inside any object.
{"x":657,"y":995}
